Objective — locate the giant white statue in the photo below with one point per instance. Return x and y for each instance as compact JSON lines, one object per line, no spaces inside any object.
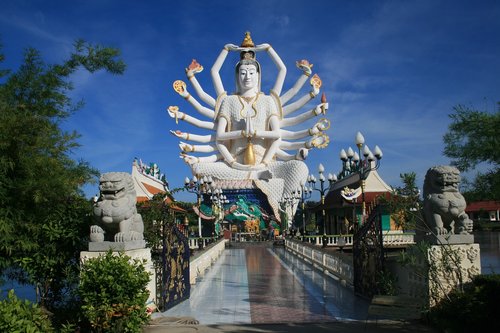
{"x":248,"y":145}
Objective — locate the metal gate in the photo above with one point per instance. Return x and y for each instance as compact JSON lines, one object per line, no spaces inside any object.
{"x":368,"y":253}
{"x":172,"y":271}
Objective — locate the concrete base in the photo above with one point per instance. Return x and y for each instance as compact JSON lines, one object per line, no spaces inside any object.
{"x":141,"y":254}
{"x":451,"y":265}
{"x":116,"y":246}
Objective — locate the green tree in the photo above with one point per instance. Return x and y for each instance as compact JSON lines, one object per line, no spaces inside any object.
{"x":404,"y":203}
{"x":42,"y":209}
{"x":472,"y":139}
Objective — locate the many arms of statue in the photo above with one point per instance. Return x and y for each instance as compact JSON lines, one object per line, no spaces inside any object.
{"x":320,"y":108}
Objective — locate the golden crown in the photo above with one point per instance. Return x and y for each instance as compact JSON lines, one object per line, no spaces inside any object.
{"x":247,"y":42}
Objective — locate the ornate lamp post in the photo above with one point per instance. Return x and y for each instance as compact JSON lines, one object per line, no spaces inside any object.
{"x":322,"y":190}
{"x":186,"y":226}
{"x":199,"y":187}
{"x":305,"y":193}
{"x":218,"y":200}
{"x":288,"y":201}
{"x":352,"y":163}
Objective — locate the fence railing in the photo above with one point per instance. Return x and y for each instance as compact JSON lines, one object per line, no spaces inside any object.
{"x":328,"y":262}
{"x":390,"y":239}
{"x":199,"y":263}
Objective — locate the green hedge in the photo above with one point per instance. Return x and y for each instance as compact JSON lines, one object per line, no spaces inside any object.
{"x":476,"y":309}
{"x":22,"y":316}
{"x":113,"y":293}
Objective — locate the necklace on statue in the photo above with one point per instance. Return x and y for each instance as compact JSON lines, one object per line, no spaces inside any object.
{"x":248,"y":99}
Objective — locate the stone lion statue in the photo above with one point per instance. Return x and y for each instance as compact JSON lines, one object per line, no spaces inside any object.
{"x":115,"y":211}
{"x":444,"y":206}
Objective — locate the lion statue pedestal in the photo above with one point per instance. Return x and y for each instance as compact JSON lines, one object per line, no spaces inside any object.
{"x":118,"y":225}
{"x":451,"y":258}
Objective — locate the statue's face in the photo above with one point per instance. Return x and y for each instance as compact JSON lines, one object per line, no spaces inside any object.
{"x":248,"y":77}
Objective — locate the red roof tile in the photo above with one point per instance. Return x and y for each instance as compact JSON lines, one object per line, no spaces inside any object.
{"x":483,"y":205}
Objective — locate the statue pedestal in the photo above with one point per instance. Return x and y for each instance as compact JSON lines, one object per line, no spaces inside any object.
{"x":140,"y":254}
{"x":116,"y":246}
{"x":445,"y":239}
{"x":444,"y":268}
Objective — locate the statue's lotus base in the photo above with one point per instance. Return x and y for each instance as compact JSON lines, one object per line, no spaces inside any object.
{"x":116,"y":246}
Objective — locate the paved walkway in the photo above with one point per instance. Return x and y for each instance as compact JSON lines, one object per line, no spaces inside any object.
{"x":265,"y":289}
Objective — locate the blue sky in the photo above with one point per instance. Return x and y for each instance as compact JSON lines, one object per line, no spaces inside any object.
{"x":390,"y":69}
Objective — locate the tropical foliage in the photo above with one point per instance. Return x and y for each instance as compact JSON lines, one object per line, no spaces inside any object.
{"x":43,"y":213}
{"x":472,"y":140}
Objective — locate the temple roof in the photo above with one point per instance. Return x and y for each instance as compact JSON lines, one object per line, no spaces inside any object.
{"x":483,"y":205}
{"x":148,"y":183}
{"x":375,"y":186}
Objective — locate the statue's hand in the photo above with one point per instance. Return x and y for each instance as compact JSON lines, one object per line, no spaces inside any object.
{"x":173,"y":111}
{"x":322,"y":125}
{"x":186,"y":147}
{"x":305,"y":66}
{"x":194,"y":68}
{"x":231,"y":47}
{"x":189,"y":159}
{"x":302,"y":154}
{"x":321,"y":108}
{"x":314,"y":90}
{"x":262,"y":47}
{"x":315,"y":129}
{"x":179,"y":134}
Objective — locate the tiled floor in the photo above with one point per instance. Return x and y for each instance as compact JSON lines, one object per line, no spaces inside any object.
{"x":264,"y":285}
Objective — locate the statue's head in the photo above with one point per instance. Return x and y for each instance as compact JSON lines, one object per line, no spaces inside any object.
{"x":247,"y":74}
{"x":247,"y":69}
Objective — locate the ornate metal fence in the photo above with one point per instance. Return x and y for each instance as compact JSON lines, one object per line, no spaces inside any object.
{"x":368,"y":253}
{"x":172,"y":268}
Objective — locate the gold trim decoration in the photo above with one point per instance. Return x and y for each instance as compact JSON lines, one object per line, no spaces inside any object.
{"x":175,"y":110}
{"x":247,"y":40}
{"x":179,"y":86}
{"x":218,"y":102}
{"x":316,"y":81}
{"x":319,"y":137}
{"x":324,"y":121}
{"x":241,"y":99}
{"x":248,"y":99}
{"x":278,"y":103}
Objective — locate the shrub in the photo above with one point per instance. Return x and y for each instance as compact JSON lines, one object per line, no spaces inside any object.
{"x":113,"y":293}
{"x":475,"y":309}
{"x":22,"y":316}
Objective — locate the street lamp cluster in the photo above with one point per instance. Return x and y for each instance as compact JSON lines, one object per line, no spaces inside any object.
{"x":218,"y":200}
{"x":322,"y":188}
{"x":361,"y":163}
{"x":303,"y":193}
{"x":199,"y":187}
{"x":353,"y":163}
